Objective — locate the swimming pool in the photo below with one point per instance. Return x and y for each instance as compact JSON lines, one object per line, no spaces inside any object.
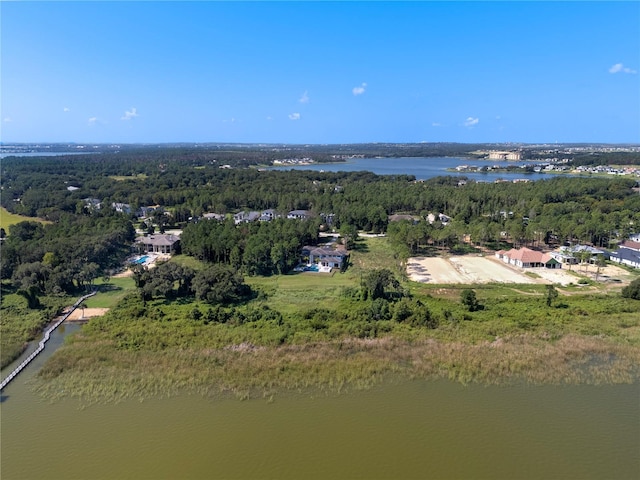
{"x":141,"y":260}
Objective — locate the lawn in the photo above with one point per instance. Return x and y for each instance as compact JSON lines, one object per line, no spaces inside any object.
{"x":301,"y":291}
{"x":110,"y":293}
{"x":372,"y":253}
{"x":7,"y":219}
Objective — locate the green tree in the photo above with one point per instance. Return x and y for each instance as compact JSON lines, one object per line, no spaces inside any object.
{"x":469,"y":300}
{"x":551,"y":295}
{"x":349,"y":234}
{"x":377,"y":281}
{"x":219,"y":284}
{"x":632,"y":290}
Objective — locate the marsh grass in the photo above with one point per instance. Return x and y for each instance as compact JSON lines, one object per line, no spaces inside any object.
{"x":96,"y":373}
{"x":160,"y":350}
{"x":19,"y":324}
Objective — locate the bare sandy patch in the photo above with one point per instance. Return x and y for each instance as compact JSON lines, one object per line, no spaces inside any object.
{"x":126,"y":273}
{"x":475,"y":269}
{"x":433,"y":270}
{"x":88,"y":313}
{"x":486,"y":270}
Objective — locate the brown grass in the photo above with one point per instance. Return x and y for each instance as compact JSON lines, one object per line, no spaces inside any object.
{"x":96,"y":373}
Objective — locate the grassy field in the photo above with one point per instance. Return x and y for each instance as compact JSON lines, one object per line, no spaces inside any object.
{"x":122,"y":178}
{"x":110,"y":293}
{"x":7,"y":219}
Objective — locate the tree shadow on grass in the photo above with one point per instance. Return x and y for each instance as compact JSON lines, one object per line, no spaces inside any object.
{"x":108,"y":287}
{"x":360,"y":246}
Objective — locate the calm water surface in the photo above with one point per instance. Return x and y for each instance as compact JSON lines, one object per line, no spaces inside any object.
{"x":422,"y":167}
{"x":411,"y":429}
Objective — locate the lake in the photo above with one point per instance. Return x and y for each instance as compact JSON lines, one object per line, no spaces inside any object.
{"x":42,"y":154}
{"x":403,"y":429}
{"x":422,"y":167}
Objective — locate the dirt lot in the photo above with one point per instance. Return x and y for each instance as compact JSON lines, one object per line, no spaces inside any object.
{"x":88,"y":313}
{"x":475,"y":269}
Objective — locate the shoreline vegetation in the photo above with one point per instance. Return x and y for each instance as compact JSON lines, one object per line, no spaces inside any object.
{"x":307,"y":333}
{"x":92,"y":373}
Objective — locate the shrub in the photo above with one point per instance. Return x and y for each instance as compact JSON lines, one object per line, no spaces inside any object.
{"x":632,"y":290}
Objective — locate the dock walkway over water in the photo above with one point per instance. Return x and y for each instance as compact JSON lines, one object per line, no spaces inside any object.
{"x":44,"y":340}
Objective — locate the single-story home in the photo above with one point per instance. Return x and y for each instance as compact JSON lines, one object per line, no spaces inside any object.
{"x":575,"y":253}
{"x":161,"y":243}
{"x":627,"y":254}
{"x":527,"y":258}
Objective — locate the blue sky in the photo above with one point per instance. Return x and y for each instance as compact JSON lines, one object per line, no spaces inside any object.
{"x":320,"y":72}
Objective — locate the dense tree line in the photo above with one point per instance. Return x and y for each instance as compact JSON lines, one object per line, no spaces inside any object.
{"x":259,"y":248}
{"x":65,"y":256}
{"x":215,"y":284}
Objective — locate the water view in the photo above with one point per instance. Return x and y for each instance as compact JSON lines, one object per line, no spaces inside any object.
{"x":422,"y":167}
{"x":408,"y":429}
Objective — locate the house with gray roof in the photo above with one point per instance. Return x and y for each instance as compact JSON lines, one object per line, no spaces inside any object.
{"x":246,"y":217}
{"x":299,"y":214}
{"x":161,"y":243}
{"x":325,"y":257}
{"x":627,"y":254}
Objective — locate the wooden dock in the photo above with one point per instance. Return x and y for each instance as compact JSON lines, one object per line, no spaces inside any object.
{"x":42,"y":342}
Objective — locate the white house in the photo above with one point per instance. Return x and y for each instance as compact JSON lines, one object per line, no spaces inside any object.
{"x":627,"y":254}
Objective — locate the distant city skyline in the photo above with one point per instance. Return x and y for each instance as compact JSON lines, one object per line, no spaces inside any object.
{"x":320,"y":72}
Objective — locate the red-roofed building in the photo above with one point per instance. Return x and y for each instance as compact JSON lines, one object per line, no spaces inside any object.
{"x":527,"y":258}
{"x":631,"y":245}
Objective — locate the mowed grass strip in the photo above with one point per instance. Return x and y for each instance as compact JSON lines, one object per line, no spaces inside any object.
{"x":301,"y":291}
{"x":110,"y":292}
{"x":7,"y":219}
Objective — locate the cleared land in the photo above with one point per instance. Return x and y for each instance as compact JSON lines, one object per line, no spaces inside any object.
{"x":474,"y":269}
{"x":78,"y":314}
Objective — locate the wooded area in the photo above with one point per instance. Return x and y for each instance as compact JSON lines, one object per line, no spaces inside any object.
{"x":88,"y":238}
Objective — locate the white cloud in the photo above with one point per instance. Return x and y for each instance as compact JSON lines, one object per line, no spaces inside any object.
{"x":359,"y":90}
{"x":7,"y":120}
{"x":618,"y":67}
{"x":269,"y":118}
{"x":304,"y":98}
{"x":66,"y":109}
{"x":436,"y":124}
{"x":294,"y":116}
{"x":129,"y":114}
{"x":93,"y":120}
{"x":470,"y":122}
